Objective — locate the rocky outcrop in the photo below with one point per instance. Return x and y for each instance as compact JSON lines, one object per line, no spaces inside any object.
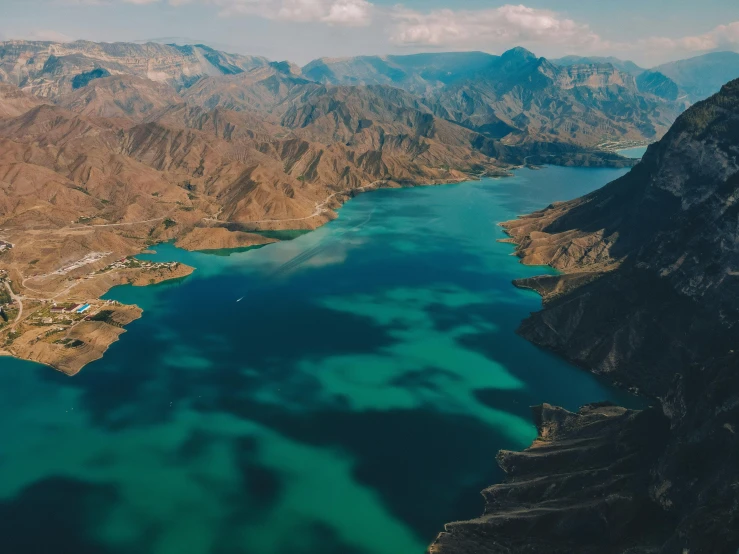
{"x":581,"y":487}
{"x":648,"y":298}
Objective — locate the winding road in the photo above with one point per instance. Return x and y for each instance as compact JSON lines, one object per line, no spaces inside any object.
{"x":20,"y":305}
{"x":320,"y":208}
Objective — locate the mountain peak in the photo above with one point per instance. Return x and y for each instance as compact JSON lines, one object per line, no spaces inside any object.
{"x":518,"y":53}
{"x":286,"y":67}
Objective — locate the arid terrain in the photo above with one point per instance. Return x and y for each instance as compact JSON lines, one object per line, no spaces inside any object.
{"x":106,"y":149}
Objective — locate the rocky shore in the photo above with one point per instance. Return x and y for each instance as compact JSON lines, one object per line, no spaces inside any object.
{"x":648,"y":297}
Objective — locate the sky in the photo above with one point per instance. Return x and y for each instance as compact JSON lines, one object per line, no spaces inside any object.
{"x":648,"y":32}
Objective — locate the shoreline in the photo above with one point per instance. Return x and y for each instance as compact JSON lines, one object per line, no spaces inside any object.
{"x":327,"y":211}
{"x":60,"y":358}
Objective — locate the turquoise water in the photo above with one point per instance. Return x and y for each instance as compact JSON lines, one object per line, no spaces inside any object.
{"x":636,"y":153}
{"x":341,"y":393}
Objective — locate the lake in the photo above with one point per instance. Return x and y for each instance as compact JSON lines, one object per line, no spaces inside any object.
{"x":636,"y":152}
{"x":344,"y":392}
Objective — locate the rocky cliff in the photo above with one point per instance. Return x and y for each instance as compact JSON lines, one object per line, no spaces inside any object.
{"x":648,"y":297}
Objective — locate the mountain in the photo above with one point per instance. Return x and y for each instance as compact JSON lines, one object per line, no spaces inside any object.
{"x":688,"y":80}
{"x":14,"y":102}
{"x":656,"y":83}
{"x":50,"y":69}
{"x":107,"y":148}
{"x":703,"y":75}
{"x":647,"y":297}
{"x":626,"y":66}
{"x":527,"y":97}
{"x":120,"y":96}
{"x":415,"y":73}
{"x":517,"y":97}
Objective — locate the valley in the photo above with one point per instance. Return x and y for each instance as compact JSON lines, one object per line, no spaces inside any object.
{"x":100,"y":154}
{"x":315,"y":269}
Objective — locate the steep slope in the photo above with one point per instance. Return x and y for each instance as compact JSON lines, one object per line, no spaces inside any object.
{"x":649,"y":297}
{"x":14,"y":102}
{"x":654,"y":82}
{"x":703,"y":75}
{"x":580,"y":104}
{"x":50,"y":69}
{"x":260,"y":90}
{"x":518,"y":95}
{"x":581,"y":487}
{"x":626,"y":66}
{"x":120,"y":96}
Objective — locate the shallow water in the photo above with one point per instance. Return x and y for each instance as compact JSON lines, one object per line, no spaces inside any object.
{"x":636,"y":153}
{"x":342,"y":393}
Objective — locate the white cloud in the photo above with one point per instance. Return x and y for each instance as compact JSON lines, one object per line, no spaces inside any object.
{"x":332,"y":12}
{"x":507,"y":25}
{"x":547,"y":32}
{"x":352,"y":13}
{"x":721,"y":37}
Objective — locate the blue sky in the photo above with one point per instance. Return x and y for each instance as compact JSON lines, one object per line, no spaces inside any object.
{"x":646,"y":31}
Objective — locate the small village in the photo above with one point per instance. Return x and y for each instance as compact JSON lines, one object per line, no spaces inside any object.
{"x":54,"y":317}
{"x":134,"y":263}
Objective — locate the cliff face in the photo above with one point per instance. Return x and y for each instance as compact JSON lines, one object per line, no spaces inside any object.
{"x":649,"y":297}
{"x":584,"y":481}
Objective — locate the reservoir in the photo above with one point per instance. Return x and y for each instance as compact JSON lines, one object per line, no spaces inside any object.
{"x":637,"y":152}
{"x":344,"y":392}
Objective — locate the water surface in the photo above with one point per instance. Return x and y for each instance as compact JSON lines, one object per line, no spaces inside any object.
{"x":341,"y":393}
{"x":636,"y":153}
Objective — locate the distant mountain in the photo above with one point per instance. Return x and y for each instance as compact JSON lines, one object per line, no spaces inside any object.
{"x":626,"y":66}
{"x":51,"y":69}
{"x":121,"y":96}
{"x":14,"y":102}
{"x":656,"y":83}
{"x":704,"y":75}
{"x":517,"y":97}
{"x":415,"y":73}
{"x":531,"y":97}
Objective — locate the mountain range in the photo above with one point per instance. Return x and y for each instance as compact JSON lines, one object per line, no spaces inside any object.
{"x":690,"y":80}
{"x":106,"y":149}
{"x":109,"y":147}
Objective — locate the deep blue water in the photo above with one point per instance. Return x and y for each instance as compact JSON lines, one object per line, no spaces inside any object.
{"x":341,"y":393}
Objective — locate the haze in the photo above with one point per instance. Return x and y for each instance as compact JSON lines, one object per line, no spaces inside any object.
{"x":648,"y":33}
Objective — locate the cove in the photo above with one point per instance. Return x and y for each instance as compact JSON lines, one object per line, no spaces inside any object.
{"x":344,"y":392}
{"x":636,"y":153}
